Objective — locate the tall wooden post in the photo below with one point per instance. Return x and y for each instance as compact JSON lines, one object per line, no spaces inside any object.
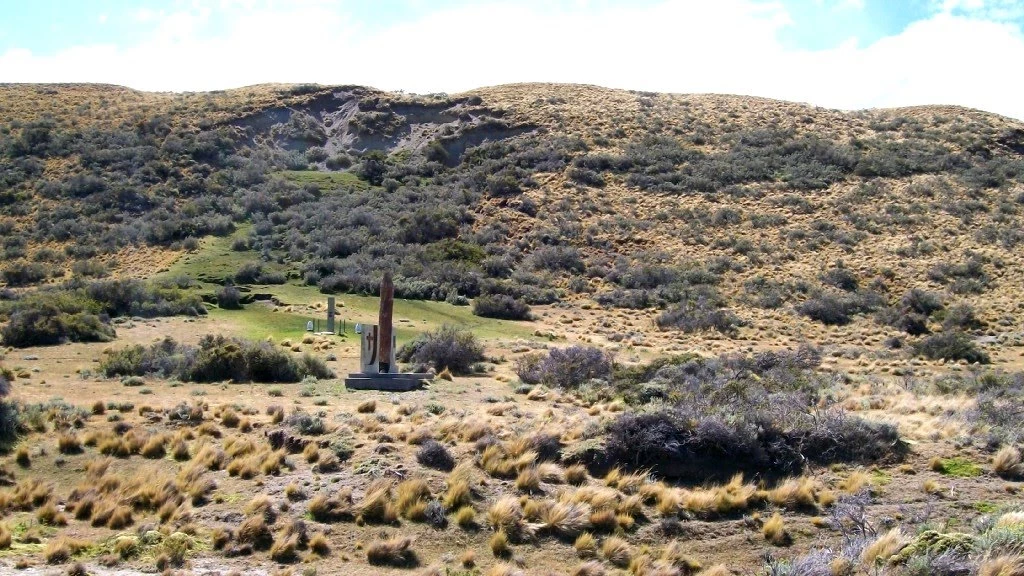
{"x":330,"y":314}
{"x":384,"y":331}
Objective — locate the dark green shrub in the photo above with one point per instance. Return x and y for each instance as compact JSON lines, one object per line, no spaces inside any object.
{"x":8,"y":413}
{"x":433,"y":454}
{"x":565,"y":368}
{"x":699,"y":315}
{"x":89,"y":269}
{"x":586,"y":176}
{"x":216,"y":358}
{"x":48,"y":325}
{"x":138,"y":298}
{"x":229,"y":298}
{"x":501,"y":306}
{"x":952,"y":345}
{"x":310,"y":365}
{"x":960,"y":317}
{"x":841,"y":278}
{"x":836,"y":309}
{"x":921,"y":301}
{"x":307,"y":424}
{"x":24,"y":273}
{"x":447,"y":347}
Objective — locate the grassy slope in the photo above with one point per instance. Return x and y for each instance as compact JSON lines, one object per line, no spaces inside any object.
{"x":216,"y":259}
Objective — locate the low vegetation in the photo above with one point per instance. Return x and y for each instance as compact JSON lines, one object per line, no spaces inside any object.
{"x":216,"y":358}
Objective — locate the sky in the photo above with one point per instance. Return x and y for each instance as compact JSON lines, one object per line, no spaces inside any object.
{"x":847,"y":54}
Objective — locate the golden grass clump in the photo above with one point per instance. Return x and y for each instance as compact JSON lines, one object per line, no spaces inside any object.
{"x":60,"y":549}
{"x":294,"y":492}
{"x":495,"y":461}
{"x":396,"y":551}
{"x":220,"y":537}
{"x":528,"y":480}
{"x":326,"y":509}
{"x":22,"y":457}
{"x":616,"y":551}
{"x":116,"y":446}
{"x":179,"y":450}
{"x":585,"y":545}
{"x":566,"y":519}
{"x":113,"y":516}
{"x":669,"y":502}
{"x":506,"y":514}
{"x":209,"y":429}
{"x":551,"y":473}
{"x":262,"y":505}
{"x":733,"y":497}
{"x":499,"y":545}
{"x":255,"y":532}
{"x":229,"y":418}
{"x":468,"y":559}
{"x":854,"y":481}
{"x":458,"y":492}
{"x":632,"y":505}
{"x":154,"y":447}
{"x":774,"y":531}
{"x":465,"y":517}
{"x":673,"y":556}
{"x":881,"y":549}
{"x":604,"y":520}
{"x":1007,"y":463}
{"x":1011,"y":520}
{"x":932,"y":487}
{"x":795,"y":493}
{"x":48,"y":515}
{"x":367,"y":407}
{"x":311,"y":453}
{"x":411,"y":497}
{"x":611,"y":479}
{"x":1002,"y":566}
{"x":319,"y":545}
{"x":68,"y":443}
{"x":419,"y":435}
{"x":590,"y":568}
{"x":5,"y":537}
{"x":632,"y":483}
{"x":376,"y":506}
{"x":473,"y":431}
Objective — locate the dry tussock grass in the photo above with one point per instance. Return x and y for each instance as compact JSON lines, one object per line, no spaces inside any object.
{"x":395,"y":551}
{"x":774,"y":531}
{"x":1007,"y":462}
{"x":883,"y":547}
{"x":616,"y":551}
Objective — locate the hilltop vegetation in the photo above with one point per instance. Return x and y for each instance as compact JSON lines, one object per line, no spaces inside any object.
{"x":712,"y":209}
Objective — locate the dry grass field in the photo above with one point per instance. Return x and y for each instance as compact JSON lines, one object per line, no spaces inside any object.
{"x":671,"y":334}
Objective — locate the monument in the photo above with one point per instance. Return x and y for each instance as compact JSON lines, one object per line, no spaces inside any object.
{"x":330,"y":314}
{"x":378,"y":369}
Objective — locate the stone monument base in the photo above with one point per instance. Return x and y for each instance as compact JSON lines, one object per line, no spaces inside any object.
{"x":395,"y":382}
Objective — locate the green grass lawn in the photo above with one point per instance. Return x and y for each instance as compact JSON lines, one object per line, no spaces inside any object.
{"x":411,"y":317}
{"x":327,"y":181}
{"x":215,"y":259}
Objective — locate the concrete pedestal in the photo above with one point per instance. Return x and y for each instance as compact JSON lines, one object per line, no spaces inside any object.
{"x":394,"y":382}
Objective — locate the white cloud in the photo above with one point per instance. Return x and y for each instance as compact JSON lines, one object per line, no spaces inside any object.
{"x":729,"y":46}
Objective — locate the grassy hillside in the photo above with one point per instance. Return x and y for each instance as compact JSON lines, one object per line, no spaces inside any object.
{"x":693,"y":335}
{"x":738,"y":216}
